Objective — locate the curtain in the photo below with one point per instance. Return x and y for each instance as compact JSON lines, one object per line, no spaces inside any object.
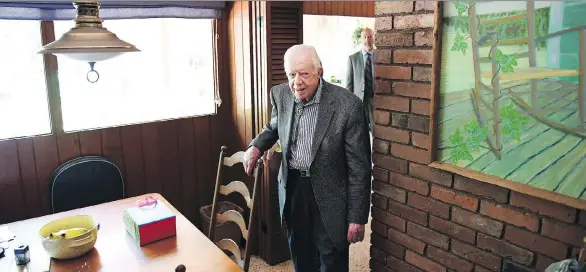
{"x":110,"y":9}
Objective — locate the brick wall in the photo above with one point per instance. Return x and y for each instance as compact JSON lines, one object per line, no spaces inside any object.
{"x":431,"y":220}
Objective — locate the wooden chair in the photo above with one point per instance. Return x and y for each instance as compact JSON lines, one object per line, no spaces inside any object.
{"x":530,"y":74}
{"x":232,"y":215}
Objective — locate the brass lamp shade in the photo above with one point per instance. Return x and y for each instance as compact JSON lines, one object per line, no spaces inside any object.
{"x":88,"y":40}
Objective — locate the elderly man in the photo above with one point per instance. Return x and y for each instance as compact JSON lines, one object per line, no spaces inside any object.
{"x":324,"y":192}
{"x":360,"y":74}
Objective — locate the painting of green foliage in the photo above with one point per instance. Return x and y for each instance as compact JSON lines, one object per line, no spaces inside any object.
{"x":511,"y":98}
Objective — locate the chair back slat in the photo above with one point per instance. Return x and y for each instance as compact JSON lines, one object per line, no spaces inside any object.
{"x":237,"y":157}
{"x":230,"y":245}
{"x":238,"y":187}
{"x":236,"y":217}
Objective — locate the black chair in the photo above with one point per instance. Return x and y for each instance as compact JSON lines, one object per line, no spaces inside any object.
{"x":85,"y":181}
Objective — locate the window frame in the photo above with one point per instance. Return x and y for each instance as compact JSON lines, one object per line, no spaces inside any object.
{"x":53,"y":91}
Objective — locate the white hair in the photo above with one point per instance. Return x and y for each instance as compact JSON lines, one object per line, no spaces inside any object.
{"x":298,"y":50}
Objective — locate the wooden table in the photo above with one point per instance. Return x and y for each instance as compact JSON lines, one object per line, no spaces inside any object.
{"x":115,"y":249}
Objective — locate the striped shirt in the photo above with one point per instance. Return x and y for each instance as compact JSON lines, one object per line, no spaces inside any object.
{"x":304,"y":120}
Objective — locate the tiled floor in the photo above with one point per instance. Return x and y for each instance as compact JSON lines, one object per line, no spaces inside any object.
{"x":359,"y":258}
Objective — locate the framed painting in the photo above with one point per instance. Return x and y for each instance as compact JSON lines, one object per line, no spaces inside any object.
{"x":510,"y":91}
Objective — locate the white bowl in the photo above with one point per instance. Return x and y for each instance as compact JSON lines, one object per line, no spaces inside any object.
{"x":67,"y":248}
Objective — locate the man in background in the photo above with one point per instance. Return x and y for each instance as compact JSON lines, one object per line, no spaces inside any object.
{"x":360,"y":74}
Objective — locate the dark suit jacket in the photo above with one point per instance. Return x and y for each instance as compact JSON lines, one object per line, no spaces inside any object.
{"x":341,"y":159}
{"x":355,"y":74}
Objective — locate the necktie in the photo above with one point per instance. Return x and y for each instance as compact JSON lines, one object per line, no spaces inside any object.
{"x":368,"y":83}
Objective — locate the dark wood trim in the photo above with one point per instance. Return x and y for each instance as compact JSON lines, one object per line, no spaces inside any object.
{"x":339,"y":8}
{"x":435,"y":80}
{"x":52,"y":80}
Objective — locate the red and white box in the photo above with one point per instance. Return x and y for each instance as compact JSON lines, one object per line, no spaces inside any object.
{"x":151,"y":220}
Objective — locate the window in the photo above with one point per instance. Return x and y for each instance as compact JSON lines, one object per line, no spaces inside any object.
{"x":172,"y":77}
{"x":24,"y":108}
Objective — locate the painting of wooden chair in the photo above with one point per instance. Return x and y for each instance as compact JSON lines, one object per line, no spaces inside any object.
{"x":502,"y":83}
{"x":239,"y":187}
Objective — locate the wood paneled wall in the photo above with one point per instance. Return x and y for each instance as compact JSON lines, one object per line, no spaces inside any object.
{"x":339,"y":8}
{"x":177,"y":158}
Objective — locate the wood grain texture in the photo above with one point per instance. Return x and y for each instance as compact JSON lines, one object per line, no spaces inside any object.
{"x":339,"y":8}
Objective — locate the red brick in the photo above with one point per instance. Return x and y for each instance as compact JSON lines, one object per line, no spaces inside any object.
{"x":456,"y":231}
{"x":453,"y":197}
{"x":409,"y":242}
{"x":424,"y":38}
{"x":570,"y":234}
{"x":421,"y":140}
{"x":410,"y":153}
{"x":391,"y":39}
{"x":380,"y":146}
{"x":383,"y":56}
{"x":382,"y":86}
{"x":427,"y":235}
{"x":413,"y":21}
{"x":392,"y":7}
{"x":387,"y":246}
{"x":422,"y":73}
{"x":537,"y":243}
{"x":419,"y":106}
{"x":543,"y":262}
{"x":430,"y":174}
{"x":390,"y":163}
{"x":428,"y":205}
{"x":391,"y":102}
{"x":413,"y":56}
{"x":425,"y":5}
{"x":389,"y":191}
{"x":419,"y":90}
{"x":382,"y":117}
{"x":423,"y":263}
{"x":400,"y":266}
{"x":409,"y":183}
{"x":408,"y":213}
{"x":478,"y":268}
{"x":382,"y":24}
{"x":379,"y":255}
{"x":477,"y":222}
{"x":504,"y":249}
{"x":378,"y":227}
{"x":392,"y":72}
{"x":380,"y":174}
{"x":379,"y":201}
{"x":390,"y":220}
{"x":483,"y":189}
{"x":391,"y":134}
{"x":411,"y":122}
{"x":476,"y":255}
{"x":509,"y":215}
{"x":449,"y":260}
{"x":542,"y":206}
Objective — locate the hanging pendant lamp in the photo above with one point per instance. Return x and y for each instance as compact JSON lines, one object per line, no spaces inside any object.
{"x":88,"y":40}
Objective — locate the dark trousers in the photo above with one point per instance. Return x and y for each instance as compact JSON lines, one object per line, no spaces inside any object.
{"x":368,"y":104}
{"x":311,"y":248}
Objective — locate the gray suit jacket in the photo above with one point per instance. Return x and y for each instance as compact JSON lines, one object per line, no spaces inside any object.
{"x":341,"y":161}
{"x":355,"y":74}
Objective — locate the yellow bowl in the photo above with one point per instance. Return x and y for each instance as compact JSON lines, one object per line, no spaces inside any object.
{"x":67,"y":248}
